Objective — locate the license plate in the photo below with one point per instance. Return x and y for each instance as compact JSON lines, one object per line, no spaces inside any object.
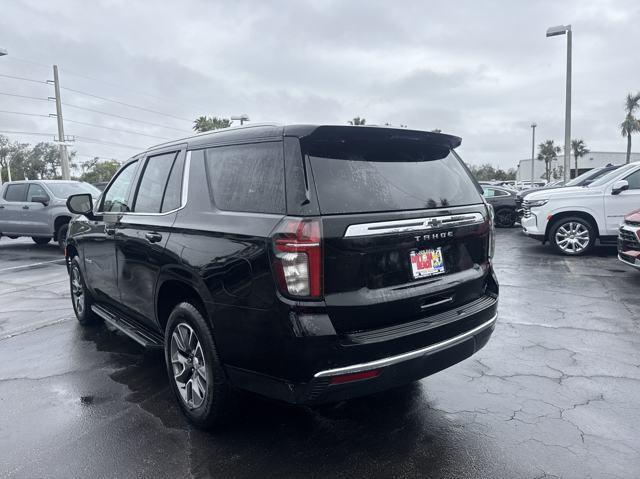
{"x":427,"y":262}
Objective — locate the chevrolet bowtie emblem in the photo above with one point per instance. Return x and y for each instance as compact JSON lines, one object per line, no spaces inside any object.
{"x":434,"y":223}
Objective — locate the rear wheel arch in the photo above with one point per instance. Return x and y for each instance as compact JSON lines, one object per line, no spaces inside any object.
{"x":171,"y":292}
{"x":58,"y":222}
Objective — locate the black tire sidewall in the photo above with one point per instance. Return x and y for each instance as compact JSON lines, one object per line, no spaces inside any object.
{"x":62,"y":236}
{"x":40,"y":240}
{"x":513,"y":217}
{"x":87,"y":316}
{"x":575,"y":219}
{"x":216,"y":407}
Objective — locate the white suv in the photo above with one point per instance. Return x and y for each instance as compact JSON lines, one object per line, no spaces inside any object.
{"x":572,"y":218}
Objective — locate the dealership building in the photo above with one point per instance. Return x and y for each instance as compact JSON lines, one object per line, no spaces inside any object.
{"x":593,"y":159}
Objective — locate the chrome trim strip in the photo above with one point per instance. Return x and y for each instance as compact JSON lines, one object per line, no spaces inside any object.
{"x":633,"y":265}
{"x":413,"y":224}
{"x":185,"y":193}
{"x":381,"y":363}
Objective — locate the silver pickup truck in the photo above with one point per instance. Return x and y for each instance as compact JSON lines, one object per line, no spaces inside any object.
{"x":37,"y":208}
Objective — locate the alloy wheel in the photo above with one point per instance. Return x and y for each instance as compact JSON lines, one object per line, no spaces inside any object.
{"x":188,"y":364}
{"x":77,"y":290}
{"x":572,"y":237}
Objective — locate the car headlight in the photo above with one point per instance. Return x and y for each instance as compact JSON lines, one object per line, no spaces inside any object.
{"x":535,"y":203}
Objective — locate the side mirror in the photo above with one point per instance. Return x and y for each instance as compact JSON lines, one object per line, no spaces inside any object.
{"x":619,"y":186}
{"x":81,"y":204}
{"x":40,"y":199}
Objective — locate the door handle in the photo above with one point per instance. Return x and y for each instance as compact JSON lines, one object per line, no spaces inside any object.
{"x":110,"y":230}
{"x":153,"y":237}
{"x":25,"y":207}
{"x":1,"y":207}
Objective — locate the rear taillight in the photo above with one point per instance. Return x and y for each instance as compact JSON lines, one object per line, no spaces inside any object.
{"x":297,"y":245}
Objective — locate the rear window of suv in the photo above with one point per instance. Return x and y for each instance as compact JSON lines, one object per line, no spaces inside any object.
{"x":369,"y":176}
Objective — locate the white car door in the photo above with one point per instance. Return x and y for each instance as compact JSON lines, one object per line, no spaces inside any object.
{"x":616,"y":207}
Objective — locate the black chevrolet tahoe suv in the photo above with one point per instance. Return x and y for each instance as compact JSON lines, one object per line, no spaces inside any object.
{"x":310,"y":264}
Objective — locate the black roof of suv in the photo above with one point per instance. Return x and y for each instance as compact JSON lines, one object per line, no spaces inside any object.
{"x":305,"y":263}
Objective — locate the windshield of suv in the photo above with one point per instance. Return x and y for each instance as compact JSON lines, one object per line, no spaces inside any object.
{"x":367,"y":176}
{"x":584,"y":176}
{"x":604,"y":179}
{"x":64,"y":190}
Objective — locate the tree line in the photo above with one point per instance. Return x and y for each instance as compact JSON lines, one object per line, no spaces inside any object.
{"x":20,"y":161}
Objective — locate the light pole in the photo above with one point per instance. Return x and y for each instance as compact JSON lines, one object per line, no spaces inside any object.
{"x":3,"y":52}
{"x":533,"y":151}
{"x":552,"y":32}
{"x":242,"y":118}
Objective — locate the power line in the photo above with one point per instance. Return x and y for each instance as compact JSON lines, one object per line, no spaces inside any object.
{"x":116,"y":129}
{"x":32,"y":133}
{"x":81,"y":75}
{"x":108,"y":143}
{"x":23,"y":113}
{"x":123,"y":117}
{"x":24,"y":96}
{"x":13,"y":77}
{"x":125,"y":104}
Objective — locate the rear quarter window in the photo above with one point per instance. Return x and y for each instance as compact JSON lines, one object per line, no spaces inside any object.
{"x":370,"y":176}
{"x":247,"y":178}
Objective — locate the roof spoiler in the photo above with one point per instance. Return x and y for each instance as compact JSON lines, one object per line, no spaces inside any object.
{"x":364,"y":133}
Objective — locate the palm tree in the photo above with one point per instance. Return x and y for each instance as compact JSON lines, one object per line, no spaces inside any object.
{"x":206,"y":123}
{"x":630,"y":124}
{"x":579,"y":150}
{"x":548,"y":152}
{"x":357,"y":121}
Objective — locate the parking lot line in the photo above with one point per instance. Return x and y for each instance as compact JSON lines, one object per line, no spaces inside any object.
{"x":33,"y":265}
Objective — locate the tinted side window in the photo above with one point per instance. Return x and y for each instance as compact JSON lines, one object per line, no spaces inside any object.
{"x":173,"y":192}
{"x":116,"y":197}
{"x":488,"y":192}
{"x":153,"y":183}
{"x":247,"y":177}
{"x":36,"y":190}
{"x":16,"y":192}
{"x":634,"y":180}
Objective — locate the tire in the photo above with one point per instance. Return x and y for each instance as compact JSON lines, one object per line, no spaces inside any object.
{"x":62,"y":236}
{"x":572,"y":236}
{"x":40,"y":240}
{"x":80,"y":298}
{"x":195,"y":372}
{"x":506,"y":218}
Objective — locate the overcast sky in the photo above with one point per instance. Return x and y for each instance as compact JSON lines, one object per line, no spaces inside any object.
{"x":482,"y":70}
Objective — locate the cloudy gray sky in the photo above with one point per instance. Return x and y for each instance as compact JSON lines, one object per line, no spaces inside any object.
{"x":479,"y":69}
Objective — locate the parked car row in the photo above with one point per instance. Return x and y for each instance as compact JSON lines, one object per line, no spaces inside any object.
{"x":574,"y":218}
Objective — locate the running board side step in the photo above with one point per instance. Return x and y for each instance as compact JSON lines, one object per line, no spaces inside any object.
{"x":140,"y":333}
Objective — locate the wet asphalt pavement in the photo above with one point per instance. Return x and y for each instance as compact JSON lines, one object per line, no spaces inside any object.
{"x":554,"y":393}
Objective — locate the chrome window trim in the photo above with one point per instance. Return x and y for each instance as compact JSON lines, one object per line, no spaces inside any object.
{"x":185,"y":193}
{"x":413,"y":224}
{"x":389,"y":361}
{"x":183,"y":201}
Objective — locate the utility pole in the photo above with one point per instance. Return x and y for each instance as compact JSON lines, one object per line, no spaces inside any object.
{"x":533,"y":151}
{"x":552,"y":32}
{"x":64,"y":158}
